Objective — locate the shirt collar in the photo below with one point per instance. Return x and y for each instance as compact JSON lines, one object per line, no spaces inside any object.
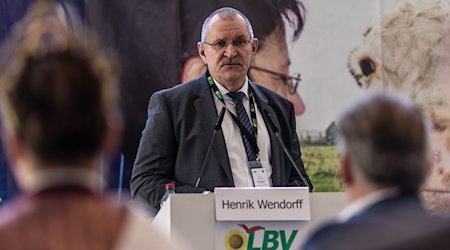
{"x":223,"y":91}
{"x":361,"y":204}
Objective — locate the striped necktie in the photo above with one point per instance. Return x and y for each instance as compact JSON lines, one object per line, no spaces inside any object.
{"x":245,"y":121}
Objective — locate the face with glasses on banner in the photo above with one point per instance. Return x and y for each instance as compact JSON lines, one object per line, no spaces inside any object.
{"x":270,"y":68}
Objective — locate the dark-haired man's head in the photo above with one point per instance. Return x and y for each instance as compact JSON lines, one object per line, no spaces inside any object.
{"x":270,"y":67}
{"x":384,"y":143}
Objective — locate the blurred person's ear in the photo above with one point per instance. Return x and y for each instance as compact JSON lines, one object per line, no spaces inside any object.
{"x":11,"y":146}
{"x":192,"y":68}
{"x":430,"y":165}
{"x":113,"y":137}
{"x":346,"y":171}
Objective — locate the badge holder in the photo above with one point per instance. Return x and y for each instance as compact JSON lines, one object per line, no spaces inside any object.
{"x":259,"y":174}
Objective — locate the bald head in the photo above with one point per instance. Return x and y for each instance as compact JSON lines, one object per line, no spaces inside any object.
{"x":225,"y":13}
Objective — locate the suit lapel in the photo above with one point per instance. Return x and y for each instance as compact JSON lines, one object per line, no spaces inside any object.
{"x":276,"y":159}
{"x":206,"y":110}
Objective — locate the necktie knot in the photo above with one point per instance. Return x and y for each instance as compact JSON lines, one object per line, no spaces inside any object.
{"x":236,"y":96}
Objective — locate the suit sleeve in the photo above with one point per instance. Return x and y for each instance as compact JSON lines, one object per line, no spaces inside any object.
{"x":294,"y":179}
{"x":156,"y":156}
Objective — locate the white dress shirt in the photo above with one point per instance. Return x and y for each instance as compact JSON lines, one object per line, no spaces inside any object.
{"x":233,"y":139}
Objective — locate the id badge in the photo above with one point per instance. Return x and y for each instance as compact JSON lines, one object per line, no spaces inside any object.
{"x":259,"y":174}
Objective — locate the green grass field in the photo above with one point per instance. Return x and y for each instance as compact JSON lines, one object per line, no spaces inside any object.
{"x":322,"y":165}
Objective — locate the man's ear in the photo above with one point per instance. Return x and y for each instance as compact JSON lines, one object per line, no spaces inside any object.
{"x":255,"y":45}
{"x":201,"y":52}
{"x":192,"y":68}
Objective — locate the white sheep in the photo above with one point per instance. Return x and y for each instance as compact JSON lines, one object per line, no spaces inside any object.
{"x":409,"y":53}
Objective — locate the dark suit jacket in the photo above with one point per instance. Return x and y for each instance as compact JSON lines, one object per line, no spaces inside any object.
{"x":177,"y":133}
{"x":396,"y":223}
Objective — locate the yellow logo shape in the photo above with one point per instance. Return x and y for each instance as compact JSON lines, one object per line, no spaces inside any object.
{"x":236,"y":240}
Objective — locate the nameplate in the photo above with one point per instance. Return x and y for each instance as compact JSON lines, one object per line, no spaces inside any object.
{"x":262,"y":204}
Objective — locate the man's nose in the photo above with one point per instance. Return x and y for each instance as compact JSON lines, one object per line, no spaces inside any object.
{"x":230,"y":51}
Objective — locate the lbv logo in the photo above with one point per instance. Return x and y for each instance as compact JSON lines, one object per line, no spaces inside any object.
{"x":259,"y":238}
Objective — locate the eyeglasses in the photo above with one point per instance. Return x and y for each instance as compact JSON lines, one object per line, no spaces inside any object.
{"x":291,"y":82}
{"x":222,"y":43}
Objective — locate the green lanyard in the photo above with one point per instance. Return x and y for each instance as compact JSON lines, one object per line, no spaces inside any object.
{"x":250,"y":97}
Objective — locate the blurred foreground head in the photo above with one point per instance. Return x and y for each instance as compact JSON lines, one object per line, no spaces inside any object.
{"x":58,"y":92}
{"x":384,"y":143}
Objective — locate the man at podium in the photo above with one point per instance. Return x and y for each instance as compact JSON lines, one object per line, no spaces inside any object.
{"x":221,"y":129}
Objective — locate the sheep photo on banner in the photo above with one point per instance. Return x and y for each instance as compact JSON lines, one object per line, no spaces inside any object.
{"x":351,"y":48}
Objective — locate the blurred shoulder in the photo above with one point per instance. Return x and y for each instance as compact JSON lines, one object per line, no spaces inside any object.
{"x":138,"y":232}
